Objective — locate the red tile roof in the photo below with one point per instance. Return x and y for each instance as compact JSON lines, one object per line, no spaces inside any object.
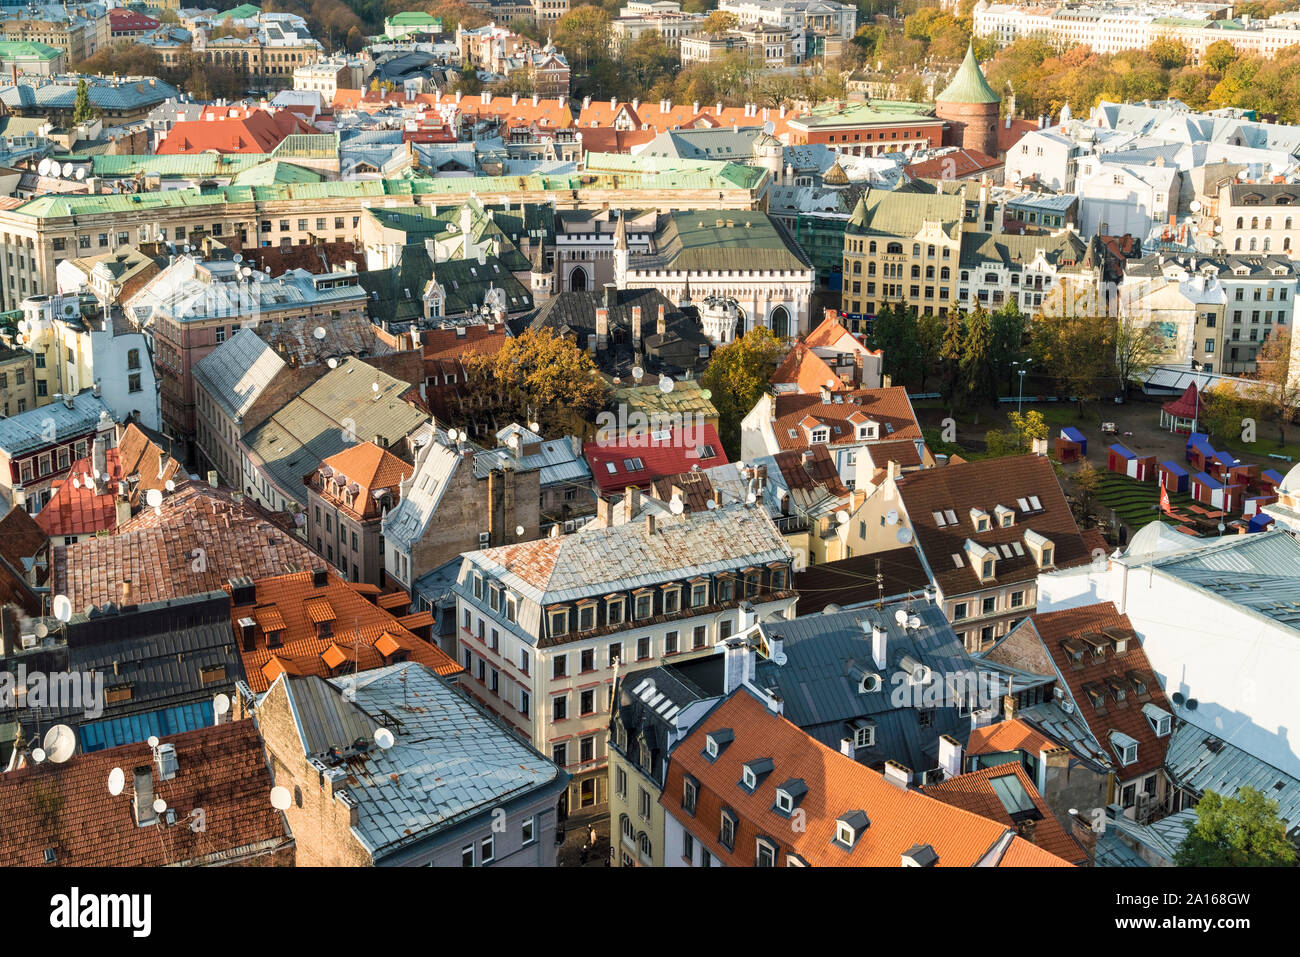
{"x":1013,"y":735}
{"x":650,"y":116}
{"x":974,"y":792}
{"x":316,"y":258}
{"x":77,"y":507}
{"x":807,"y":371}
{"x":1009,"y":136}
{"x":66,"y":807}
{"x":888,"y":407}
{"x":836,"y":785}
{"x":233,"y":130}
{"x":985,"y":485}
{"x":366,"y":468}
{"x":958,"y":165}
{"x":605,"y":140}
{"x":128,"y":21}
{"x":197,"y":541}
{"x":358,"y":630}
{"x":1105,"y":674}
{"x":20,"y":537}
{"x":677,"y":452}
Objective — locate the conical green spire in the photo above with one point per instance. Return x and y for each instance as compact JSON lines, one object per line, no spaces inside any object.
{"x":969,"y":85}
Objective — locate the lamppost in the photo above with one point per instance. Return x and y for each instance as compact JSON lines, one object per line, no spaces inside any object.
{"x":1020,"y":399}
{"x":1196,"y":417}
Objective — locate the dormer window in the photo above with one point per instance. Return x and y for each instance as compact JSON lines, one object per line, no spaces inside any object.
{"x":1041,"y":548}
{"x":1006,"y":516}
{"x":559,"y":622}
{"x":980,"y":519}
{"x":1126,"y":749}
{"x":788,"y":795}
{"x":1161,"y":721}
{"x":849,"y":828}
{"x":821,"y":434}
{"x":715,"y":742}
{"x":753,"y":773}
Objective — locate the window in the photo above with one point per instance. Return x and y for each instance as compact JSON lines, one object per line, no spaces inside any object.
{"x":1017,"y":599}
{"x":959,"y":611}
{"x":688,"y":847}
{"x":560,"y":708}
{"x":485,"y":848}
{"x":614,"y":611}
{"x":620,"y":782}
{"x":559,"y":623}
{"x":864,"y":737}
{"x":523,"y":702}
{"x":727,"y":831}
{"x":700,"y":636}
{"x":560,"y":666}
{"x":467,"y":856}
{"x":587,"y":749}
{"x":765,"y":855}
{"x":642,"y":649}
{"x":644,"y":806}
{"x":586,"y":617}
{"x":587,"y":702}
{"x":528,"y":831}
{"x":523,"y":658}
{"x":560,"y":754}
{"x":644,"y":606}
{"x":671,"y":600}
{"x":699,"y":594}
{"x":615,"y":653}
{"x":587,"y":660}
{"x":989,"y":605}
{"x":690,"y":794}
{"x":670,"y":643}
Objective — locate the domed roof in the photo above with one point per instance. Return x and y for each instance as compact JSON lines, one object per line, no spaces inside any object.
{"x":835,"y":176}
{"x":765,"y":140}
{"x":969,"y":85}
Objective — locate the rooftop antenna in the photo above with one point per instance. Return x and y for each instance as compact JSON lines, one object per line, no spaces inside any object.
{"x":880,"y":586}
{"x":60,"y":742}
{"x":281,"y":798}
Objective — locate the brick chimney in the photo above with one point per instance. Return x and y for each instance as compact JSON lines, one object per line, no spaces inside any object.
{"x":661,"y":325}
{"x":602,"y":329}
{"x":636,"y":327}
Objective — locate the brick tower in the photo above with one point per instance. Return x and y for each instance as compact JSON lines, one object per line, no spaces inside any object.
{"x":971,"y":108}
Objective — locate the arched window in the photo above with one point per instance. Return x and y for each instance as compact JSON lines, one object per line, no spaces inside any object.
{"x":872,"y":247}
{"x":1240,"y":222}
{"x":645,"y":844}
{"x":943,"y":274}
{"x":929,"y":252}
{"x":1237,"y":245}
{"x":929,"y":272}
{"x":916,"y":249}
{"x":871,"y":268}
{"x":1268,"y":243}
{"x":1268,"y":222}
{"x":916,"y":272}
{"x":895,"y":249}
{"x":1254,"y":222}
{"x":1252,"y":244}
{"x":1286,"y":244}
{"x":1288,"y":222}
{"x":857,"y":267}
{"x":625,"y":823}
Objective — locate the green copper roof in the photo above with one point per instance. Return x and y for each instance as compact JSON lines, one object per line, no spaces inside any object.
{"x":414,"y":17}
{"x":245,"y":11}
{"x":277,"y":171}
{"x":969,"y":85}
{"x":24,"y":50}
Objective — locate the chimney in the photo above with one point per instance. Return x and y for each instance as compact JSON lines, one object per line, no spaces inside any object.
{"x":611,"y":295}
{"x":602,"y":329}
{"x":650,"y":523}
{"x":949,"y":756}
{"x":879,"y":646}
{"x":99,"y":456}
{"x":661,"y":324}
{"x":636,"y":328}
{"x":1082,"y":832}
{"x":605,"y":512}
{"x":631,"y":503}
{"x":143,"y":800}
{"x":899,"y":775}
{"x":68,"y":401}
{"x":847,"y":749}
{"x":123,"y":510}
{"x":748,"y":617}
{"x":738,"y":664}
{"x":1010,"y":707}
{"x":826,"y":395}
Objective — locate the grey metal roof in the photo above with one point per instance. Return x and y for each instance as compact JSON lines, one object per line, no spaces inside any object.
{"x":237,"y":371}
{"x":825,"y":658}
{"x":1201,"y":762}
{"x":326,"y":719}
{"x":435,"y":464}
{"x":449,"y":761}
{"x":28,"y":431}
{"x":596,"y":561}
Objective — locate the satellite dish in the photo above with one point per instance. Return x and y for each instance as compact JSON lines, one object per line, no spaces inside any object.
{"x":512,"y":440}
{"x":41,"y":629}
{"x":665,"y":384}
{"x":1194,"y":205}
{"x":676,"y":506}
{"x":153,"y":497}
{"x":67,"y":169}
{"x":43,"y":167}
{"x":900,"y":616}
{"x":842,"y":517}
{"x":534,"y":427}
{"x":169,"y":485}
{"x":710,"y":505}
{"x":319,"y":332}
{"x":1178,"y":698}
{"x":332,"y":362}
{"x":384,"y":738}
{"x":914,"y":622}
{"x":62,"y":608}
{"x":374,"y":387}
{"x":1192,"y":704}
{"x":159,"y":805}
{"x":237,"y":258}
{"x":299,"y":519}
{"x":81,"y":173}
{"x":451,"y":434}
{"x":904,"y":536}
{"x":637,"y":373}
{"x":60,"y":743}
{"x":37,"y":755}
{"x":1218,"y":229}
{"x":153,"y":740}
{"x":281,"y":798}
{"x":750,"y":498}
{"x":891,"y":517}
{"x":221,"y":704}
{"x":769,"y":127}
{"x":519,"y":530}
{"x":116,"y":781}
{"x":76,"y":482}
{"x":706,"y":394}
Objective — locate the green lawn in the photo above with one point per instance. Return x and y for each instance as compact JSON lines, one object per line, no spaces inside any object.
{"x":1136,"y":503}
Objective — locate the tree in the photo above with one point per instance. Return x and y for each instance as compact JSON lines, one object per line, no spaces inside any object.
{"x":894,"y":332}
{"x":976,"y":380}
{"x":82,"y":111}
{"x":1169,"y":52}
{"x":1276,"y":390}
{"x":1020,"y":437}
{"x":1224,"y":411}
{"x":355,"y":40}
{"x":536,"y":376}
{"x":1087,"y":482}
{"x":929,"y":341}
{"x":583,"y":34}
{"x":738,"y":376}
{"x":1241,"y":831}
{"x":1137,"y":347}
{"x":950,"y":354}
{"x":1008,"y":341}
{"x":719,"y":22}
{"x":1219,"y":55}
{"x":1076,"y":351}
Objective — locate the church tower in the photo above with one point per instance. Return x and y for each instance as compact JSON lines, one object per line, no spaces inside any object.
{"x":970,"y":106}
{"x":543,"y":279}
